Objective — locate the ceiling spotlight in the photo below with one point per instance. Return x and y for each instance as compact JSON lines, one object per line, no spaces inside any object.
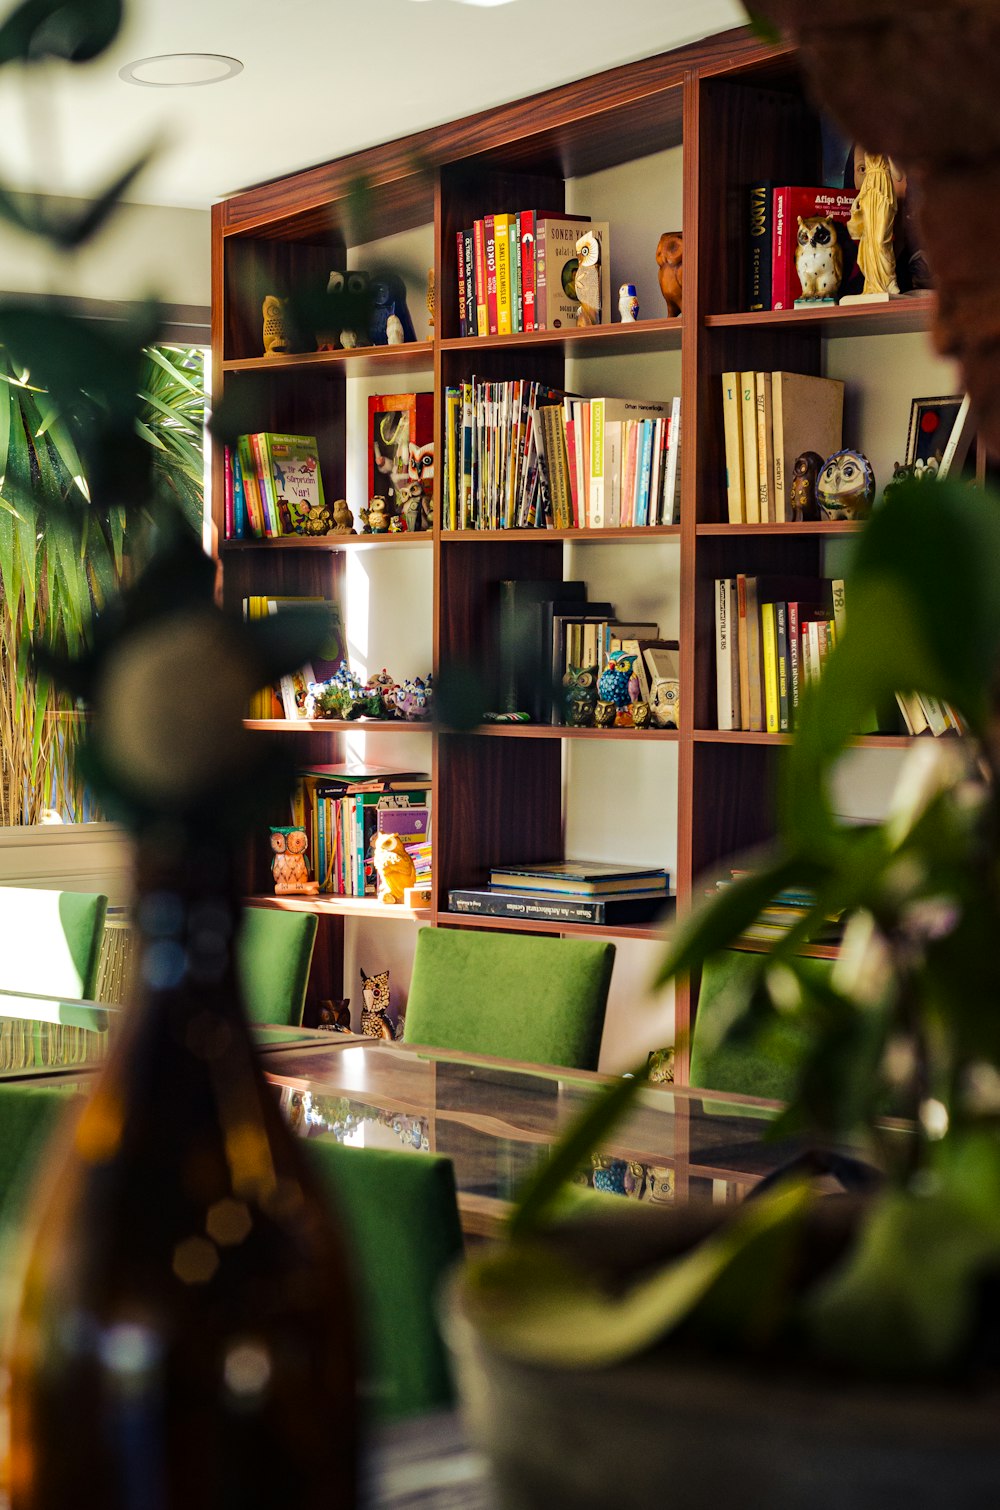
{"x":180,"y":70}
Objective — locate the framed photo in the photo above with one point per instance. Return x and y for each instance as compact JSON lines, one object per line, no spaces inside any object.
{"x":933,"y":422}
{"x":401,"y":451}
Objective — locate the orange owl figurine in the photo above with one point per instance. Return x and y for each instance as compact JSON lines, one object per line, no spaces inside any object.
{"x":670,"y":261}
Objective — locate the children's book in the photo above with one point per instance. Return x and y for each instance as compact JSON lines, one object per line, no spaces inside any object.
{"x":292,"y":463}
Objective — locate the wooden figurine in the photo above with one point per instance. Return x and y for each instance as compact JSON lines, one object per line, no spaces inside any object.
{"x":819,"y":261}
{"x":375,"y":1019}
{"x":275,"y":316}
{"x":289,"y":868}
{"x":395,"y":868}
{"x":588,"y":279}
{"x":670,"y":261}
{"x":431,"y":298}
{"x":343,"y":518}
{"x":628,"y":304}
{"x":845,"y":487}
{"x":805,"y":470}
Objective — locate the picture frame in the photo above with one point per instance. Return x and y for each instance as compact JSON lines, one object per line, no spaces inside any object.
{"x":932,"y":421}
{"x":401,"y":452}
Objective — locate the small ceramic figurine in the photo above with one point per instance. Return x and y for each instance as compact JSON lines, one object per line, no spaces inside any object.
{"x":375,"y":1019}
{"x":388,"y":300}
{"x":275,"y":316}
{"x":376,"y":516}
{"x":670,"y":261}
{"x":604,"y":714}
{"x":628,"y":304}
{"x":340,"y":697}
{"x":318,"y":521}
{"x":409,"y":498}
{"x":335,"y":1015}
{"x":588,"y":279}
{"x":395,"y":868}
{"x":579,"y":696}
{"x":612,"y":687}
{"x":394,"y":331}
{"x":845,"y":487}
{"x":819,"y":261}
{"x":642,"y":716}
{"x":805,"y":470}
{"x":289,"y":868}
{"x":343,"y":519}
{"x":411,"y":700}
{"x":871,"y":222}
{"x":664,"y":708}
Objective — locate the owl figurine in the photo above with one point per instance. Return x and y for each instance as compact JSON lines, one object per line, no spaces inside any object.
{"x":819,"y":261}
{"x":274,"y":312}
{"x":289,"y":868}
{"x":628,"y":304}
{"x":845,"y":487}
{"x":580,"y":696}
{"x":588,"y":279}
{"x":604,"y":714}
{"x":805,"y":470}
{"x":670,"y":261}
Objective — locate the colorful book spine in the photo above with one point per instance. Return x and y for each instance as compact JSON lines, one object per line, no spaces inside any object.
{"x":463,"y":313}
{"x":490,"y":260}
{"x":501,"y":257}
{"x":228,"y":512}
{"x":255,"y":508}
{"x":240,"y":525}
{"x":479,"y":252}
{"x":514,"y":259}
{"x":769,"y":655}
{"x":784,"y":686}
{"x":759,"y":236}
{"x":526,"y":231}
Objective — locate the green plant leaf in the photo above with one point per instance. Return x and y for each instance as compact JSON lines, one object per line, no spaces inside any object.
{"x":74,"y":30}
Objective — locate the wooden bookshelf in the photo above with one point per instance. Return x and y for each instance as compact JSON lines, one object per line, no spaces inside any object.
{"x":739,"y":111}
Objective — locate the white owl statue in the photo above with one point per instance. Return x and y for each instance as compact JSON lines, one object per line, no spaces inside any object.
{"x":628,"y":304}
{"x":588,"y":279}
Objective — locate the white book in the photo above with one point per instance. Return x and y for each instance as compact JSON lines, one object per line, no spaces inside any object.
{"x":726,"y":656}
{"x":957,"y":448}
{"x":748,"y":415}
{"x":732,"y":418}
{"x":765,"y":449}
{"x":613,"y":471}
{"x":672,"y":481}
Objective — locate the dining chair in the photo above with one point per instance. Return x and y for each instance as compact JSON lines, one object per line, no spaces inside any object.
{"x":274,"y":950}
{"x":50,"y":941}
{"x":28,"y":1116}
{"x":400,"y":1213}
{"x":516,"y":996}
{"x":766,"y":1064}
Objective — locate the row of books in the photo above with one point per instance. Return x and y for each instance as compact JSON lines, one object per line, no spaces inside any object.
{"x":272,"y":485}
{"x":342,"y":818}
{"x":519,"y":455}
{"x":770,"y":418}
{"x":772,"y":636}
{"x":286,"y":698}
{"x":569,"y":891}
{"x":774,"y":210}
{"x":784,"y":911}
{"x":516,"y":272}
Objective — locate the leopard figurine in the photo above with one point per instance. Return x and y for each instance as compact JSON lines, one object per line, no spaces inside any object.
{"x":375,"y":1019}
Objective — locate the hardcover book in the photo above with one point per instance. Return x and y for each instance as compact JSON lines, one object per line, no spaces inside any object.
{"x":807,"y":414}
{"x":541,"y":908}
{"x":556,"y":304}
{"x":292,"y":463}
{"x":579,"y":878}
{"x":789,"y":203}
{"x":759,"y":231}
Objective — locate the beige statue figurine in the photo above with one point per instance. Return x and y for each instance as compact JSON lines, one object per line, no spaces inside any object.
{"x":343,"y":518}
{"x":276,"y":341}
{"x":872,"y":220}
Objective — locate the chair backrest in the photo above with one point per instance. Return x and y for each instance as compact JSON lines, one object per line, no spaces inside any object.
{"x":515,"y":995}
{"x":274,"y":950}
{"x":50,"y":941}
{"x":766,"y":1064}
{"x":28,"y":1116}
{"x":401,"y":1215}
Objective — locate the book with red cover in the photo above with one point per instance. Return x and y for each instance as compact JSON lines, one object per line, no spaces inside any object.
{"x":526,"y":237}
{"x":479,"y":326}
{"x":791,"y":201}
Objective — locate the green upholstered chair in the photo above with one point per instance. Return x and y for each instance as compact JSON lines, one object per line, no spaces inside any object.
{"x":518,"y":996}
{"x":763,"y":1066}
{"x":401,"y":1215}
{"x":28,"y":1116}
{"x":50,"y":941}
{"x":274,"y":950}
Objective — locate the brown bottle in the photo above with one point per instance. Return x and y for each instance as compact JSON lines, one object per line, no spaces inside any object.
{"x":185,"y":1338}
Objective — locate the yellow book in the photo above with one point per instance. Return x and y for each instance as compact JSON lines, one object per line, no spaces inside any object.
{"x":769,"y":646}
{"x":501,"y":243}
{"x":732,"y":418}
{"x":751,"y":483}
{"x":765,"y":448}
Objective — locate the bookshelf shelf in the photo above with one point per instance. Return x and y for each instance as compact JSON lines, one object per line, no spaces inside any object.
{"x":906,"y":315}
{"x":363,"y":361}
{"x":591,"y":340}
{"x":648,"y":931}
{"x":678,"y":137}
{"x":330,"y":542}
{"x":333,"y":906}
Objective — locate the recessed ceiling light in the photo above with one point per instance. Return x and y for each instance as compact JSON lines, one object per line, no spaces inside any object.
{"x":179,"y":70}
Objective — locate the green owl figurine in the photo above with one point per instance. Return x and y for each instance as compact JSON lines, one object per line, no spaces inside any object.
{"x":580,"y":696}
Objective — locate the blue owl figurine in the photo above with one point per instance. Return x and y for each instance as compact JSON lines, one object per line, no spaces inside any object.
{"x":612,"y":687}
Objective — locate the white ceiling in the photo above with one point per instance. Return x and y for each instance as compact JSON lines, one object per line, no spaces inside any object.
{"x":320,"y":78}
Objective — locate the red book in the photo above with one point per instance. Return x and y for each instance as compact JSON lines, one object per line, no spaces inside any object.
{"x":490,"y":252}
{"x":229,"y":526}
{"x":526,"y":239}
{"x":479,"y":253}
{"x":789,"y":203}
{"x":574,"y":491}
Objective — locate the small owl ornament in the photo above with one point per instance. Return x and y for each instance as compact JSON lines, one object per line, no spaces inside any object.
{"x":845,"y":487}
{"x":588,"y":279}
{"x":819,"y":261}
{"x":805,"y":470}
{"x":580,"y":696}
{"x":628,"y":304}
{"x":670,"y":262}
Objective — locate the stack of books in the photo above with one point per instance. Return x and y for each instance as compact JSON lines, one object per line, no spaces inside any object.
{"x":515,"y":270}
{"x":519,"y":455}
{"x":769,"y":419}
{"x":783,"y":912}
{"x":569,"y":891}
{"x":273,"y":487}
{"x":773,"y":222}
{"x":342,"y":807}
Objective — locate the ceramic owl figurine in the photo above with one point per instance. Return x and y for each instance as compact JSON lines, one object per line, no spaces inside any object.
{"x":612,"y":687}
{"x":275,"y":317}
{"x":819,"y":261}
{"x":394,"y":867}
{"x":805,"y":470}
{"x":289,"y":868}
{"x":845,"y":487}
{"x":670,"y":261}
{"x":628,"y":304}
{"x":580,"y":696}
{"x":588,"y":279}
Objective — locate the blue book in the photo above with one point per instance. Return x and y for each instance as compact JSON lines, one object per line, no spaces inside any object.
{"x":239,"y":498}
{"x":645,"y":471}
